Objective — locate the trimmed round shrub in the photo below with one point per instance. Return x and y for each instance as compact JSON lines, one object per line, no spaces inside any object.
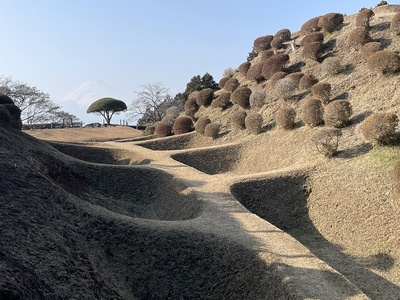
{"x":330,"y":22}
{"x":284,"y":35}
{"x":326,"y":141}
{"x":205,"y":97}
{"x":149,"y":130}
{"x":395,"y":24}
{"x":384,"y":61}
{"x":201,"y":124}
{"x":296,"y":77}
{"x":359,"y":36}
{"x":277,"y":44}
{"x":310,"y":26}
{"x":253,"y":123}
{"x":182,"y":125}
{"x":274,"y":78}
{"x":312,"y":38}
{"x":5,"y":117}
{"x":262,"y":43}
{"x":222,"y":101}
{"x":212,"y":130}
{"x":307,"y":81}
{"x":380,"y":128}
{"x":284,"y":88}
{"x":163,"y":129}
{"x":191,"y":113}
{"x":370,"y":48}
{"x":285,"y":117}
{"x":241,"y":97}
{"x":322,"y":91}
{"x":364,"y":17}
{"x":254,"y":72}
{"x":257,"y":99}
{"x":231,"y":85}
{"x":264,"y":55}
{"x":332,"y":66}
{"x":313,"y":51}
{"x":238,"y":119}
{"x":191,"y":102}
{"x":5,"y":99}
{"x":222,"y":81}
{"x":15,"y":113}
{"x":337,"y":113}
{"x":312,"y":112}
{"x":274,"y":64}
{"x":244,"y":67}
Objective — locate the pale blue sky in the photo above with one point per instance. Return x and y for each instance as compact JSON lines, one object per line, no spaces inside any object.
{"x":56,"y":45}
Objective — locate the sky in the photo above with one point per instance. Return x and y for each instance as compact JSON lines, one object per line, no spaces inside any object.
{"x":58,"y":45}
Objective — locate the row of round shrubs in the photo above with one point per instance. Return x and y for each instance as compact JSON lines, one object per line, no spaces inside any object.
{"x":252,"y":122}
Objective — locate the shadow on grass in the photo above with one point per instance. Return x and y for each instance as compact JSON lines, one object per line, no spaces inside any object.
{"x":355,"y":151}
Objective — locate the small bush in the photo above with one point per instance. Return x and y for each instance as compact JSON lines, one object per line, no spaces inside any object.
{"x":5,"y":117}
{"x":332,"y":66}
{"x":296,"y":77}
{"x":222,"y":81}
{"x":171,"y":113}
{"x":253,"y":123}
{"x":262,"y":43}
{"x":310,"y":26}
{"x":264,"y":55}
{"x":395,"y":24}
{"x":212,"y":130}
{"x":182,"y":125}
{"x":238,"y":119}
{"x":163,"y":129}
{"x":326,"y":141}
{"x":222,"y":101}
{"x":359,"y":37}
{"x":241,"y":97}
{"x":4,"y":99}
{"x":191,"y":102}
{"x":312,"y":38}
{"x":313,"y":51}
{"x":364,"y":17}
{"x":285,"y":117}
{"x":149,"y":130}
{"x":257,"y":98}
{"x":191,"y":113}
{"x":229,"y":72}
{"x":370,"y":48}
{"x":254,"y":72}
{"x":337,"y":113}
{"x":274,"y":64}
{"x":205,"y":97}
{"x":277,"y":44}
{"x":244,"y":67}
{"x":284,"y":88}
{"x":330,"y":22}
{"x":231,"y":84}
{"x":201,"y":124}
{"x":284,"y":35}
{"x":274,"y":78}
{"x":380,"y":128}
{"x":307,"y":81}
{"x":322,"y":91}
{"x":312,"y":112}
{"x":384,"y":61}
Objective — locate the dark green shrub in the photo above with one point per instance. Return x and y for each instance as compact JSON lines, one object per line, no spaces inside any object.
{"x":313,"y":51}
{"x":241,"y":97}
{"x":4,"y":99}
{"x":322,"y":91}
{"x":332,"y":66}
{"x":274,"y":78}
{"x":5,"y":117}
{"x":284,"y":88}
{"x":274,"y":64}
{"x":262,"y":43}
{"x":370,"y":48}
{"x":182,"y":125}
{"x":307,"y":81}
{"x":359,"y":37}
{"x":384,"y":61}
{"x":380,"y":128}
{"x":238,"y":119}
{"x":163,"y":129}
{"x":254,"y":72}
{"x":222,"y":101}
{"x":222,"y":81}
{"x":149,"y":130}
{"x":364,"y":17}
{"x":231,"y":85}
{"x":212,"y":130}
{"x":395,"y":24}
{"x":201,"y":124}
{"x":205,"y":97}
{"x":257,"y":98}
{"x":285,"y":117}
{"x":310,"y":26}
{"x":296,"y":77}
{"x":264,"y":55}
{"x":244,"y":67}
{"x":337,"y":113}
{"x":312,"y":38}
{"x":330,"y":22}
{"x":382,"y":3}
{"x":253,"y":123}
{"x":326,"y":141}
{"x":312,"y":112}
{"x":15,"y":113}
